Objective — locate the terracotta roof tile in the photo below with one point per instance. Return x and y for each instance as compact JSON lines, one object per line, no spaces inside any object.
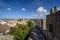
{"x":4,"y":27}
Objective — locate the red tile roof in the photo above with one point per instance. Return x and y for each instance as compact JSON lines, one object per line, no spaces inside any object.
{"x":4,"y":27}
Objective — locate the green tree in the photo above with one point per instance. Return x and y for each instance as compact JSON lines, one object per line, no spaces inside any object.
{"x":21,"y":31}
{"x":20,"y":19}
{"x":30,"y":24}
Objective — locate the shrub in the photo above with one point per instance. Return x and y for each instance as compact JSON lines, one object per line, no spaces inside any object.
{"x":21,"y":31}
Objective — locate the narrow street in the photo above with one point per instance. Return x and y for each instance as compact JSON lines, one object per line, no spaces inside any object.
{"x":37,"y":34}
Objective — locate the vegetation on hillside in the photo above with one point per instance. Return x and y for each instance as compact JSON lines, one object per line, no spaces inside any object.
{"x":20,"y":32}
{"x":20,"y":19}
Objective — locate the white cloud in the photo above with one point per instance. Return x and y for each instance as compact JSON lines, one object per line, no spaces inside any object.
{"x":42,"y":10}
{"x":41,"y":13}
{"x":9,"y":9}
{"x":58,"y":8}
{"x":23,"y":9}
{"x":45,"y":10}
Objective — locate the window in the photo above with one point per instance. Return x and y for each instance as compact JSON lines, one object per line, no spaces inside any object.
{"x":51,"y":28}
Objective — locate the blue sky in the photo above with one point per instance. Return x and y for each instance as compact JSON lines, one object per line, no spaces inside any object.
{"x":14,"y":9}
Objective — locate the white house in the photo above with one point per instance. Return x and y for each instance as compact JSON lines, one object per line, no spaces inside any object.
{"x":2,"y":22}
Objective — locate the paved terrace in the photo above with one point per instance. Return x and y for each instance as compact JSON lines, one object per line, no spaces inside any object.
{"x":6,"y":37}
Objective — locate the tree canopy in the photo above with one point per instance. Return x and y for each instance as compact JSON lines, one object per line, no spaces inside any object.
{"x":21,"y":31}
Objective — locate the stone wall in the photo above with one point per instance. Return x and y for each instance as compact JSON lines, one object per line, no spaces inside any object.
{"x":53,"y":24}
